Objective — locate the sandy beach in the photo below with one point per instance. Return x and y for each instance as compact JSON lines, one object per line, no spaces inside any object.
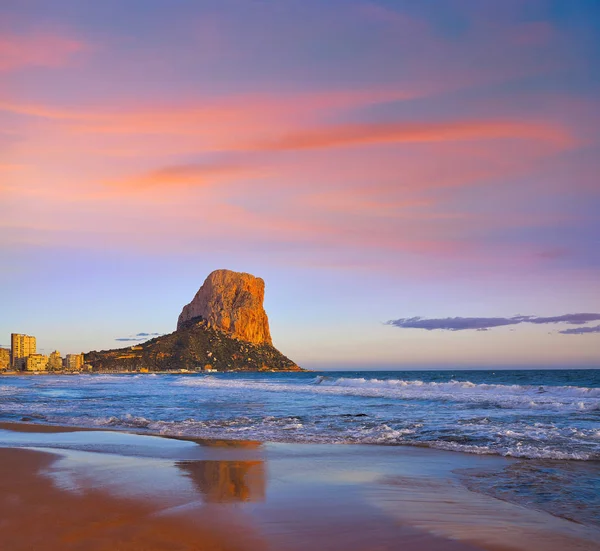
{"x":37,"y":515}
{"x":65,"y":488}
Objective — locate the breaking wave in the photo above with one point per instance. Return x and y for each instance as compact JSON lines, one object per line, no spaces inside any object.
{"x":533,"y":442}
{"x":503,"y":396}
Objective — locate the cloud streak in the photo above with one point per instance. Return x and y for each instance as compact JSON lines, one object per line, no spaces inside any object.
{"x":484,"y":324}
{"x":581,"y":330}
{"x":422,"y":132}
{"x":37,"y":49}
{"x":137,"y":337}
{"x":190,"y":174}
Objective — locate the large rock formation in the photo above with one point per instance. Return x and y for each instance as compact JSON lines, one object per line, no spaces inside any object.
{"x":224,"y":328}
{"x":233,"y":303}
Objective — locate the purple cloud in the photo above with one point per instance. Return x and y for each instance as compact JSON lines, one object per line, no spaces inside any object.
{"x":138,"y":337}
{"x":581,"y":330}
{"x":450,"y":324}
{"x":483,"y":324}
{"x":573,"y":319}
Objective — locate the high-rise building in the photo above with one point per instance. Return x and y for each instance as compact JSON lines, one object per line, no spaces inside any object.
{"x":36,"y":362}
{"x":4,"y":359}
{"x":21,"y":347}
{"x":74,"y":362}
{"x":55,"y":362}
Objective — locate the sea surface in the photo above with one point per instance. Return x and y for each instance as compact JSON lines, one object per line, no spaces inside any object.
{"x":545,"y":414}
{"x":548,"y":420}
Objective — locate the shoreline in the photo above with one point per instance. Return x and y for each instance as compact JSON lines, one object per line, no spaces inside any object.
{"x":257,"y":495}
{"x":31,"y":423}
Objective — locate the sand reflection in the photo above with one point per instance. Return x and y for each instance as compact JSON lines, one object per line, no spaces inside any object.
{"x":227,"y":481}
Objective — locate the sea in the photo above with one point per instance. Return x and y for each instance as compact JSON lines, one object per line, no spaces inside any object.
{"x":547,"y":421}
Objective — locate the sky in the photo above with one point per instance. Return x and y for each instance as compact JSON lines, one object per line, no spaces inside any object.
{"x":416,"y":182}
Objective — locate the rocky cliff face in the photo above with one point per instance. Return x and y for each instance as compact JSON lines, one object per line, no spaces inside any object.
{"x":231,"y":302}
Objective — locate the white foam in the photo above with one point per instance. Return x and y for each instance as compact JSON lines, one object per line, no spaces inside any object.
{"x":505,"y":396}
{"x":6,"y":390}
{"x":528,"y":452}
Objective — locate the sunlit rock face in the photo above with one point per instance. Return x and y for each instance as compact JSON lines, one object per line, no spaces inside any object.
{"x":233,"y":303}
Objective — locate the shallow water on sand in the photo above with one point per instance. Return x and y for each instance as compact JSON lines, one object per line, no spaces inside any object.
{"x":296,"y":497}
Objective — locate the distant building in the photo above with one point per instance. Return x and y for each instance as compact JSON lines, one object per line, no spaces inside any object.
{"x":21,"y":346}
{"x":4,"y":359}
{"x":55,"y":361}
{"x":73,"y":362}
{"x":36,"y":362}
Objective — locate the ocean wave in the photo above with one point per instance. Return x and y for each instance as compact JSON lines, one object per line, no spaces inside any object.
{"x":87,"y":379}
{"x":456,"y":386}
{"x":534,"y":441}
{"x":491,"y":395}
{"x":270,"y":428}
{"x":6,"y":390}
{"x":523,"y":452}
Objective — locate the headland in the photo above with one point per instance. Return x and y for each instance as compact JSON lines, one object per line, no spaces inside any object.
{"x":223,"y":329}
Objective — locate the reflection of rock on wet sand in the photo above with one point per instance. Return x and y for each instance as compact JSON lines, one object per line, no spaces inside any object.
{"x":227,"y":481}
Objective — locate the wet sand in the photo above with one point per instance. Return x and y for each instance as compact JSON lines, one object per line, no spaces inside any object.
{"x":65,"y":489}
{"x":28,"y":427}
{"x":36,"y":515}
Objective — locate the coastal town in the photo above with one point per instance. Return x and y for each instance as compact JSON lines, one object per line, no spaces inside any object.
{"x":22,"y":357}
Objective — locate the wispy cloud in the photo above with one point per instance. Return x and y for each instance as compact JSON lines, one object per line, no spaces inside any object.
{"x":193,"y":116}
{"x":572,"y":319}
{"x":138,"y":337}
{"x":483,"y":324}
{"x":405,"y":132}
{"x":36,"y":49}
{"x":190,"y":174}
{"x":581,"y":330}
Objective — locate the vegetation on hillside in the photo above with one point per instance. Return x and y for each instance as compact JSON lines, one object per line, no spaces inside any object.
{"x":196,"y":346}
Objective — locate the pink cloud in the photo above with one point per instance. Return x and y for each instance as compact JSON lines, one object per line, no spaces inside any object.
{"x":36,"y":49}
{"x":201,"y":175}
{"x":410,"y":132}
{"x":186,"y":115}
